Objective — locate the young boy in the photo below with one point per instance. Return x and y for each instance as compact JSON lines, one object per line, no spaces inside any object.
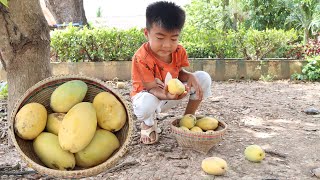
{"x":154,"y":60}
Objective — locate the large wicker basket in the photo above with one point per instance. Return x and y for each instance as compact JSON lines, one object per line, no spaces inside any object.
{"x":40,"y":93}
{"x":199,"y":141}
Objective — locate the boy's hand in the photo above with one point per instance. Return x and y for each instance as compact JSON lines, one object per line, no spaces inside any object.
{"x":175,"y":96}
{"x":193,"y":82}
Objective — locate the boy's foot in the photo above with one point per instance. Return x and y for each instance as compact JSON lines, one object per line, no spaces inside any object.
{"x":149,"y":134}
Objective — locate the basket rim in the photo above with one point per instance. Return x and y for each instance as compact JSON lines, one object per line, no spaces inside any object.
{"x":213,"y":134}
{"x":74,"y":173}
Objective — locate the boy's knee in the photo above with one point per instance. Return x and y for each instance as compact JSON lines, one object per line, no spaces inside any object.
{"x":205,"y":82}
{"x":145,"y":105}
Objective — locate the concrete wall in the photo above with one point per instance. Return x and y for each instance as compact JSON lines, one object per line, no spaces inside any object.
{"x":219,"y":70}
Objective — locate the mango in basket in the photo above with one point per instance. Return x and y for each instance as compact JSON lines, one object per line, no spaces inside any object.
{"x":67,"y":95}
{"x":110,"y":112}
{"x":54,"y":122}
{"x":78,"y":127}
{"x":188,"y":121}
{"x":103,"y":144}
{"x":207,"y":123}
{"x":184,"y":128}
{"x":175,"y":86}
{"x":196,"y":129}
{"x":30,"y":121}
{"x":214,"y":166}
{"x":47,"y":148}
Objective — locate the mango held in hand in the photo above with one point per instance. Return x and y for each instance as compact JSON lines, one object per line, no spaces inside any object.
{"x":78,"y":127}
{"x":254,"y":153}
{"x":214,"y":166}
{"x":207,"y":123}
{"x":175,"y":86}
{"x":188,"y":121}
{"x":54,"y":122}
{"x":67,"y":95}
{"x":47,"y":148}
{"x":30,"y":121}
{"x":103,"y":144}
{"x":110,"y":112}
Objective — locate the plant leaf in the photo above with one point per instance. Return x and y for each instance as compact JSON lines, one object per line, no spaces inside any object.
{"x":4,"y":2}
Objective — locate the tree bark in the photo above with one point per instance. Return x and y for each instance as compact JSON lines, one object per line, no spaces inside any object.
{"x":66,"y":11}
{"x":24,"y":47}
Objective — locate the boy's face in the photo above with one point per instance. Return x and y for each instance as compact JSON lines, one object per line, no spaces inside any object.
{"x":162,"y":42}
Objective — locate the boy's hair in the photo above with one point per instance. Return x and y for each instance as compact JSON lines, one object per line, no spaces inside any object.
{"x":166,"y":15}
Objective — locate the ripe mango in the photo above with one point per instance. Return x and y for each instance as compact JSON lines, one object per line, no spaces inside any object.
{"x":54,"y":122}
{"x":175,"y":86}
{"x":67,"y":95}
{"x":78,"y":127}
{"x":47,"y":148}
{"x":188,"y":121}
{"x":196,"y":129}
{"x":207,"y":123}
{"x":111,"y":113}
{"x":214,"y":166}
{"x":30,"y":121}
{"x":184,"y":128}
{"x":103,"y":144}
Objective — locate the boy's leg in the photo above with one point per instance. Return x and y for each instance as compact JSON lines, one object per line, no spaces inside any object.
{"x":205,"y":83}
{"x":145,"y":106}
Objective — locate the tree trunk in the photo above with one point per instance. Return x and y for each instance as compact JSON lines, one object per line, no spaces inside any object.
{"x":66,"y":11}
{"x":24,"y":47}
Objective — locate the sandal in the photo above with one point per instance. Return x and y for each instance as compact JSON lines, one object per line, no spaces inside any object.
{"x":147,"y":132}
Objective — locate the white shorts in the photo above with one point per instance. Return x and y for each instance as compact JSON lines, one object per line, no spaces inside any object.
{"x":146,"y":105}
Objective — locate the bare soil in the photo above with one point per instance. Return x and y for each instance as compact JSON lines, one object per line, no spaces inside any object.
{"x":269,"y":114}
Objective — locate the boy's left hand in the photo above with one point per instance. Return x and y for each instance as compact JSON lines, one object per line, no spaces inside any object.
{"x":193,"y":82}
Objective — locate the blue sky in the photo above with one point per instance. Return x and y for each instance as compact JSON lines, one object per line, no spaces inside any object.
{"x":121,"y":13}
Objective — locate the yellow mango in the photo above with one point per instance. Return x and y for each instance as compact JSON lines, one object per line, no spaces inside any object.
{"x":103,"y":144}
{"x":175,"y":86}
{"x":207,"y":123}
{"x":54,"y":122}
{"x":184,"y":128}
{"x":188,"y":121}
{"x":214,"y":166}
{"x":196,"y":129}
{"x":47,"y":148}
{"x":78,"y":127}
{"x":30,"y":121}
{"x":67,"y":95}
{"x":111,"y":113}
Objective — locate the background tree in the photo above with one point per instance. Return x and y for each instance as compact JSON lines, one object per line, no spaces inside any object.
{"x":66,"y":11}
{"x":305,"y":15}
{"x":24,"y":47}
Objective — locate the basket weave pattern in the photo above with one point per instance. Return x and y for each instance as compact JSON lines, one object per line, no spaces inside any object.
{"x":41,"y":93}
{"x":198,"y":141}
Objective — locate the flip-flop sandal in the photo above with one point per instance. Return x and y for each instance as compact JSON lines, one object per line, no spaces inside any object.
{"x":147,"y":132}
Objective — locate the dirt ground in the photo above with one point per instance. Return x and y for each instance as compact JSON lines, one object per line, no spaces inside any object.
{"x":269,"y":114}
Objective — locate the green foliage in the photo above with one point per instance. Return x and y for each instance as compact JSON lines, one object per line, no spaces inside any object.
{"x":312,"y":69}
{"x":4,"y":91}
{"x":4,"y":2}
{"x":257,"y":44}
{"x":97,"y":44}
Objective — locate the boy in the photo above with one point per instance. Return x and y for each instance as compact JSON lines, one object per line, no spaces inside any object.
{"x":154,"y":60}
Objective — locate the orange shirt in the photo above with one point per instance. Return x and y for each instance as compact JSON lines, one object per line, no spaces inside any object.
{"x":146,"y":67}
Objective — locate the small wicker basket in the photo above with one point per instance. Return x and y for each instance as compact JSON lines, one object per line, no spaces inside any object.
{"x":41,"y":93}
{"x":199,"y":141}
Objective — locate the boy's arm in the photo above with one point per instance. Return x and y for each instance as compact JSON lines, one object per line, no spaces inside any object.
{"x":155,"y":89}
{"x":184,"y":75}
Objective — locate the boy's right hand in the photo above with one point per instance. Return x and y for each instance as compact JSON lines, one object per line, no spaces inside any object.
{"x":175,"y":96}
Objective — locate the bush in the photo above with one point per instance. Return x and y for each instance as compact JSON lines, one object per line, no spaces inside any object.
{"x":97,"y":44}
{"x":310,"y":71}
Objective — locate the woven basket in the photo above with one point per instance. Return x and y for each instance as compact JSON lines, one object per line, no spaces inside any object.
{"x":199,"y":141}
{"x":41,"y":93}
